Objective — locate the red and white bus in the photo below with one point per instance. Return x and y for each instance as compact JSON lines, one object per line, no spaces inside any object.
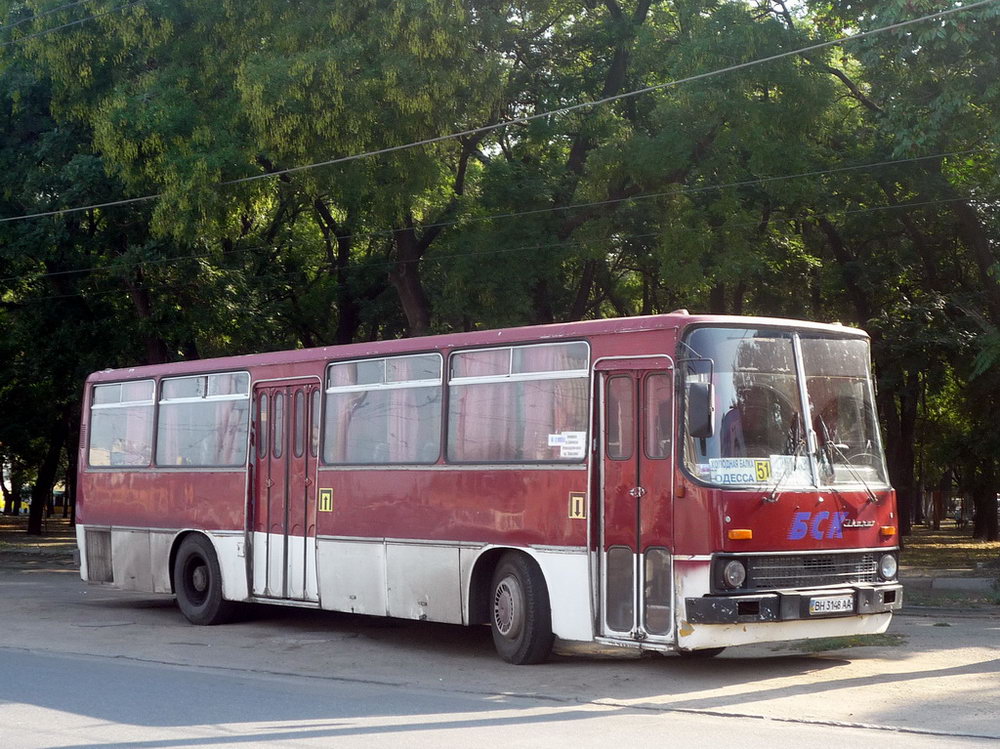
{"x":673,"y":482}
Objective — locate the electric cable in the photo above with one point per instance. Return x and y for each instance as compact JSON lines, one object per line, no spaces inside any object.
{"x":526,"y":118}
{"x":44,"y":13}
{"x":37,"y":34}
{"x":597,"y":203}
{"x":440,"y":258}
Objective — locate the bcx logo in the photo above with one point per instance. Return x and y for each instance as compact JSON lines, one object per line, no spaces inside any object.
{"x":822,"y":523}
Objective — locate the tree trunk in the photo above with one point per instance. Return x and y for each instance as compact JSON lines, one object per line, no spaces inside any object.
{"x":348,"y":308}
{"x":903,"y":479}
{"x":984,"y":499}
{"x":405,"y":277}
{"x":16,"y":484}
{"x":156,"y":348}
{"x":717,"y":299}
{"x":41,"y":492}
{"x":72,"y":464}
{"x":898,"y":456}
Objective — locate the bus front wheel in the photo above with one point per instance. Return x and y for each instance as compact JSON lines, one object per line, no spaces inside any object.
{"x":198,"y":583}
{"x":520,"y":617}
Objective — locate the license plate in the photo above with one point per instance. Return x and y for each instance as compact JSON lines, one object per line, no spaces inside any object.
{"x":831,"y":605}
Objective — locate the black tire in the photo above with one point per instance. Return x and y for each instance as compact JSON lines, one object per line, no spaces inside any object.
{"x":520,"y":617}
{"x":700,"y":654}
{"x":198,"y":583}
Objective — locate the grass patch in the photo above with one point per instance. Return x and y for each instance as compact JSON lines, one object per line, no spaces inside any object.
{"x":824,"y":644}
{"x":948,"y":548}
{"x":950,"y":599}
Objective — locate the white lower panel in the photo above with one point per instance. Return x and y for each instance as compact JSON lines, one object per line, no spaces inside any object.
{"x":229,"y":550}
{"x":692,"y":578}
{"x":81,"y":545}
{"x":423,"y":582}
{"x":274,"y":576}
{"x":278,"y":576}
{"x":567,"y":577}
{"x":140,"y":559}
{"x":159,"y":558}
{"x":352,"y":576}
{"x":258,"y":563}
{"x":302,"y":568}
{"x":409,"y":581}
{"x":694,"y":636}
{"x":130,"y":560}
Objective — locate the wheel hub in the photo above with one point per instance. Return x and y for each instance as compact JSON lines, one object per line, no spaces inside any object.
{"x":199,"y":578}
{"x":508,"y":607}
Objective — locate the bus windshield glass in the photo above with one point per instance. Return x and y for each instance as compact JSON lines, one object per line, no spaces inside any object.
{"x":792,"y":409}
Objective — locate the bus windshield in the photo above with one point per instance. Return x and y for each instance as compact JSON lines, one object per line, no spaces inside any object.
{"x":792,"y":408}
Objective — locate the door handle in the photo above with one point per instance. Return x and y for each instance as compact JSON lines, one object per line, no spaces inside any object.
{"x":638,"y":492}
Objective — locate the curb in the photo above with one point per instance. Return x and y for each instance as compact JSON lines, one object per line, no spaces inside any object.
{"x":962,"y":584}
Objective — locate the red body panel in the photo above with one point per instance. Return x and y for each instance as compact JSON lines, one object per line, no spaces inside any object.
{"x":487,"y":504}
{"x":213,"y":500}
{"x":477,"y":505}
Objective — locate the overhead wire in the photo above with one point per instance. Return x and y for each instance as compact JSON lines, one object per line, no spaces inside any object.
{"x":37,"y":34}
{"x":576,"y":206}
{"x":525,"y":118}
{"x":483,"y":253}
{"x":50,"y":11}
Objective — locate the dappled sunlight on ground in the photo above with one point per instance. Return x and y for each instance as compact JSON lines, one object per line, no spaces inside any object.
{"x":948,"y":548}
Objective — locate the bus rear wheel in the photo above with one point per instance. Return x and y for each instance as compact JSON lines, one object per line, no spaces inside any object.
{"x":198,"y":583}
{"x":520,"y":617}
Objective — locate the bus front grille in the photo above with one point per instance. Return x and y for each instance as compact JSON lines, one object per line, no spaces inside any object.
{"x":810,"y":570}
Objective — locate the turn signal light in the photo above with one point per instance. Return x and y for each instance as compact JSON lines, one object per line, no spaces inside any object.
{"x":887,"y":530}
{"x":740,"y":534}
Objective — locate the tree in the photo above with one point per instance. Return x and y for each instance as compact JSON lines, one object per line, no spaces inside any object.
{"x":745,"y":192}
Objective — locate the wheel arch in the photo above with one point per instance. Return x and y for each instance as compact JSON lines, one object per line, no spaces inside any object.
{"x":481,"y":579}
{"x":176,"y":545}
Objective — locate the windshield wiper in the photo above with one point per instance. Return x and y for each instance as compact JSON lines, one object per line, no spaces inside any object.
{"x":830,"y":446}
{"x":772,"y":496}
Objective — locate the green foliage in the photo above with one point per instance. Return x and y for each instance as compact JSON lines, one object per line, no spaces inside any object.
{"x":734,"y":193}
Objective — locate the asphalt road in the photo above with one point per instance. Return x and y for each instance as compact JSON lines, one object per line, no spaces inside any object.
{"x":87,"y":666}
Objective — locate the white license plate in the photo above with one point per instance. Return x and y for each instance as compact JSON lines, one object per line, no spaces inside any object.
{"x":831,"y":605}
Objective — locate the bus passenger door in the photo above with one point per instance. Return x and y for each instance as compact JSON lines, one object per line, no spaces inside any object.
{"x":636,"y":533}
{"x":283,"y":490}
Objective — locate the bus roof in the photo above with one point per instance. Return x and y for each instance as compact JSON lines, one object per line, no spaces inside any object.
{"x":538,"y":333}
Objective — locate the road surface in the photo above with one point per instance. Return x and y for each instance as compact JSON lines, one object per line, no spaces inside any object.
{"x":86,"y":666}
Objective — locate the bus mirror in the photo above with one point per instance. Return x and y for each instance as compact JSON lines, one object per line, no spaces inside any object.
{"x":700,"y":409}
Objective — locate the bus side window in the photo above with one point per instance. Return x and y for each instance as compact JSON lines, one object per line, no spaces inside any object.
{"x":620,"y":416}
{"x":279,"y":424}
{"x":263,"y":422}
{"x":657,"y":415}
{"x":300,"y":423}
{"x":314,"y":436}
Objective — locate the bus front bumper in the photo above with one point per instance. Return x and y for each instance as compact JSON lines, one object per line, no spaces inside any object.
{"x":790,"y":605}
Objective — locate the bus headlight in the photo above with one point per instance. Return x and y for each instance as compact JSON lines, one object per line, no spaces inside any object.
{"x":734,"y":574}
{"x":887,"y":566}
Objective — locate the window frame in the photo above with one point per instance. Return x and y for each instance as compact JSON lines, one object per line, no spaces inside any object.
{"x":382,"y":386}
{"x":585,"y":374}
{"x":647,"y":417}
{"x":122,"y":404}
{"x":161,"y":401}
{"x":634,"y":422}
{"x":680,"y":393}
